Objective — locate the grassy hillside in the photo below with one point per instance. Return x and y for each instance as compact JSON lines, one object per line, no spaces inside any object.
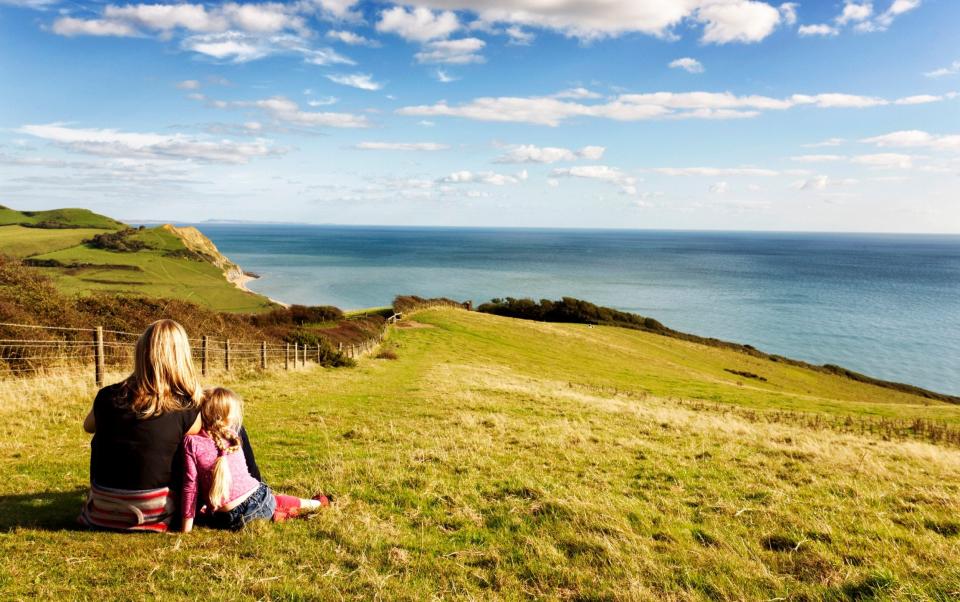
{"x":165,"y":266}
{"x":501,"y":459}
{"x":59,"y":218}
{"x":20,"y":241}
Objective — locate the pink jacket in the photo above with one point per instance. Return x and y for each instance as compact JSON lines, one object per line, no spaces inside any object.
{"x":200,"y":454}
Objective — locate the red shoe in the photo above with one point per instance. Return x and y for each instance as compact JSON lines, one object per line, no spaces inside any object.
{"x":323,"y":499}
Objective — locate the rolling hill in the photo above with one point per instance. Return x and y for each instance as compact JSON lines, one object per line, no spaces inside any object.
{"x":501,"y":459}
{"x":162,"y":261}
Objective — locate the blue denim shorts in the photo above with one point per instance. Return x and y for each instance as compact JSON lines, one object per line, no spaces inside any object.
{"x":260,"y":504}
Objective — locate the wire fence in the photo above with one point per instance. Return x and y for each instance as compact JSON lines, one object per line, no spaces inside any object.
{"x":25,"y":352}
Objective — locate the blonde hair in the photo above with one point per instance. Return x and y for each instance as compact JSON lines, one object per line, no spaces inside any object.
{"x":221,"y":413}
{"x":164,"y":378}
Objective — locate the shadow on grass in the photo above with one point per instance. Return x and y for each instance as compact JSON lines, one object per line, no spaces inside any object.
{"x":48,"y":511}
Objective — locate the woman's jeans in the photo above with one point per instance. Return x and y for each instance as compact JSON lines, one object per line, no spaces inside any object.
{"x":260,"y":504}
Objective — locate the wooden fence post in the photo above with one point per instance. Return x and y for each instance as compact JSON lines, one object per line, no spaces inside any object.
{"x":263,"y":355}
{"x":318,"y":353}
{"x":296,"y":354}
{"x":98,"y":359}
{"x":303,"y":356}
{"x":226,"y":354}
{"x":286,"y":358}
{"x":203,"y":356}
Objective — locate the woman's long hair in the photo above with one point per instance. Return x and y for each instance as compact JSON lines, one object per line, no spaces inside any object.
{"x":221,"y":413}
{"x":164,"y":378}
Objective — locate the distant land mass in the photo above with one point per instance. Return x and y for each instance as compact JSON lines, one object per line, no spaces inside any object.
{"x":86,"y":252}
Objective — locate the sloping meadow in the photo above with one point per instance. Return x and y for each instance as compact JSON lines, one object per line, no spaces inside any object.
{"x":492,"y":460}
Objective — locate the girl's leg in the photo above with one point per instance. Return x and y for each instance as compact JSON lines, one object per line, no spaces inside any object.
{"x":289,"y":506}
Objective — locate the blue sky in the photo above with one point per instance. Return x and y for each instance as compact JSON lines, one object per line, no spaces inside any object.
{"x":696,"y":114}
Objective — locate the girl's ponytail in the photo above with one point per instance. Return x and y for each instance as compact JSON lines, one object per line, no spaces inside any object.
{"x":221,"y":412}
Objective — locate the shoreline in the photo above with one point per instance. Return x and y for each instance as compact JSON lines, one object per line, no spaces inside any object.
{"x":241,"y":281}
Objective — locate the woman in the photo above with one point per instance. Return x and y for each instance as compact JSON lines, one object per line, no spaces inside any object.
{"x":138,"y":426}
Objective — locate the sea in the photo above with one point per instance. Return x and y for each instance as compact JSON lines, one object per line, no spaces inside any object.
{"x":887,"y":305}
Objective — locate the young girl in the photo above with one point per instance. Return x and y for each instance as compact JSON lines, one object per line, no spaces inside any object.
{"x":216,"y":472}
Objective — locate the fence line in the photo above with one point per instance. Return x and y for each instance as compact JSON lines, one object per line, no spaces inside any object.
{"x":107,"y":348}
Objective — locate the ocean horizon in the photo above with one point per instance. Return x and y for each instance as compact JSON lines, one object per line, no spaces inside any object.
{"x":887,"y":305}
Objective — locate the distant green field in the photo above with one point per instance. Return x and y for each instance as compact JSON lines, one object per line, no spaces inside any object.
{"x":499,"y":459}
{"x":19,"y":241}
{"x":68,"y":218}
{"x":154,"y":275}
{"x":151,"y":272}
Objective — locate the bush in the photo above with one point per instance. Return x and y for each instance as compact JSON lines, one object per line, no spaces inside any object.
{"x":120,"y":241}
{"x":298,"y":315}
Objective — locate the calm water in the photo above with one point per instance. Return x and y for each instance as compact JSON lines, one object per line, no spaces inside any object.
{"x":886,"y":305}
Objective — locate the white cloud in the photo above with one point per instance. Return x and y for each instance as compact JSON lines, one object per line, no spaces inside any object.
{"x":719,"y":187}
{"x":518,"y":36}
{"x":241,"y":47}
{"x":854,"y":12}
{"x":714,"y":172}
{"x":723,"y":20}
{"x":323,"y":101}
{"x":443,"y":77}
{"x":483,"y":177}
{"x":884,"y":20}
{"x":131,"y":19}
{"x":918,"y":99}
{"x":916,"y":139}
{"x":351,"y":38}
{"x":528,"y":153}
{"x":789,"y":12}
{"x":884,"y":160}
{"x":453,"y":52}
{"x":577,"y":94}
{"x":356,"y":80}
{"x":114,"y":143}
{"x":551,"y":110}
{"x":818,"y":158}
{"x":690,"y":65}
{"x":627,"y":183}
{"x":287,"y":111}
{"x":737,"y":21}
{"x":188,"y":84}
{"x":827,"y":142}
{"x":338,"y":9}
{"x":418,"y":24}
{"x":402,"y":146}
{"x":952,"y":69}
{"x":820,"y":29}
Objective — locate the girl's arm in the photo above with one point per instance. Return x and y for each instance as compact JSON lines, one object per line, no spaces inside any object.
{"x":188,"y":497}
{"x":90,"y":423}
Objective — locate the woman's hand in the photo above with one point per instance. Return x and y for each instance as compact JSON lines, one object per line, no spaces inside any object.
{"x":90,"y":423}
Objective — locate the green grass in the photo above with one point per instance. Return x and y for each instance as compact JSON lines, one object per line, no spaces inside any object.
{"x":19,"y":241}
{"x":500,"y":459}
{"x":67,"y":218}
{"x":155,"y":275}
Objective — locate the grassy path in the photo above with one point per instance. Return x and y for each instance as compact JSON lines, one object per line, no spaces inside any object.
{"x":498,"y":459}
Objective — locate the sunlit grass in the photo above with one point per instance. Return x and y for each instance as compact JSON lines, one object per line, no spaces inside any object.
{"x":498,"y":459}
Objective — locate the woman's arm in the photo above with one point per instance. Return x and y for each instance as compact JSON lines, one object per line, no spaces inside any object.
{"x":252,"y":467}
{"x":90,"y":423}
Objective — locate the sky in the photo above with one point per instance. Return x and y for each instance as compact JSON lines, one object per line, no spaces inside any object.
{"x":816,"y":115}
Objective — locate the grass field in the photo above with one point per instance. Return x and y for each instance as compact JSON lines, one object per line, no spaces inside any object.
{"x":502,"y":459}
{"x":19,"y":241}
{"x":152,"y":272}
{"x":67,"y":218}
{"x":156,"y":275}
